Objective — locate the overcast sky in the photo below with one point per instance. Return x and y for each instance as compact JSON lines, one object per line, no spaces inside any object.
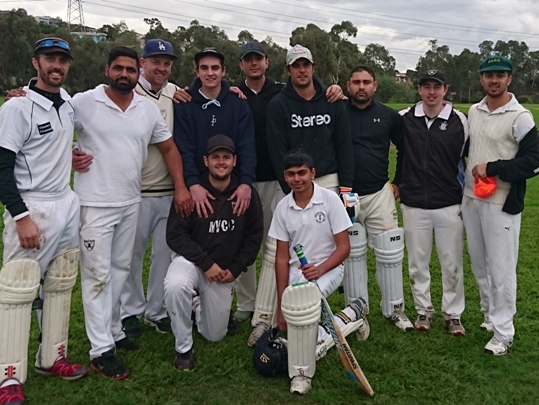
{"x":403,"y":27}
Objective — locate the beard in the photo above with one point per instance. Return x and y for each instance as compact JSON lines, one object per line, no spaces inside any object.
{"x":44,"y":76}
{"x":121,"y":86}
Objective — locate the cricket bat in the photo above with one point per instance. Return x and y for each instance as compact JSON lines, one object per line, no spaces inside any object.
{"x":348,"y":360}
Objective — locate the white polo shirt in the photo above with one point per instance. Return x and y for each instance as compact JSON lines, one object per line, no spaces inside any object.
{"x":42,"y":139}
{"x":313,"y":227}
{"x":118,"y":141}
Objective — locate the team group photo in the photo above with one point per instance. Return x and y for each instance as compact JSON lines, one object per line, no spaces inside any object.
{"x":321,"y":238}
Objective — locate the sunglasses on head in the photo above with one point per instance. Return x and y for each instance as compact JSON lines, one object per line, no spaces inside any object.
{"x":51,"y":43}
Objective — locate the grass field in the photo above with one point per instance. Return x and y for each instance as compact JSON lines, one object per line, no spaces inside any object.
{"x":412,"y":368}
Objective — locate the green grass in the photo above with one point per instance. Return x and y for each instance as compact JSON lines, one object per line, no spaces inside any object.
{"x":412,"y":368}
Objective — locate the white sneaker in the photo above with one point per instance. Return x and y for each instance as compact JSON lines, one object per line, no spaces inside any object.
{"x":364,"y":331}
{"x":300,"y":384}
{"x":496,"y":347}
{"x":487,"y":325}
{"x":257,"y":332}
{"x":401,"y":321}
{"x":359,"y":326}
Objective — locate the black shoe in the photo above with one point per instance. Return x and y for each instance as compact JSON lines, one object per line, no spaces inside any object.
{"x":185,"y":361}
{"x":127,"y":345}
{"x":162,"y":325}
{"x":109,"y":367}
{"x":131,"y":327}
{"x":233,"y":328}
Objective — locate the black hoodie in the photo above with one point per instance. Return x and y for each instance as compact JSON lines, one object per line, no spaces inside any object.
{"x":197,"y":121}
{"x":259,"y":105}
{"x":316,"y":125}
{"x":224,"y":238}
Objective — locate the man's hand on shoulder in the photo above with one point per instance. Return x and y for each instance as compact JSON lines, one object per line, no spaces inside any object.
{"x":238,"y":92}
{"x":200,"y":199}
{"x":28,"y":233}
{"x":243,"y":199}
{"x":182,"y":95}
{"x":15,"y":93}
{"x":334,"y":93}
{"x":81,"y":161}
{"x":183,"y":201}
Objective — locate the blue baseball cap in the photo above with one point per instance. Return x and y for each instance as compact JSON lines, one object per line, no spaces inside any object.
{"x":252,"y":47}
{"x":158,"y":47}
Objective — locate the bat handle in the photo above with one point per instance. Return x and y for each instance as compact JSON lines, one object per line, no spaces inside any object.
{"x":300,"y":254}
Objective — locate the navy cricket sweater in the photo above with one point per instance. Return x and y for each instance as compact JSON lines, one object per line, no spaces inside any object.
{"x":197,"y":121}
{"x":316,"y":125}
{"x":259,"y":105}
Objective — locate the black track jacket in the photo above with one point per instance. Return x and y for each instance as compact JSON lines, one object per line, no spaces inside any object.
{"x":224,"y":238}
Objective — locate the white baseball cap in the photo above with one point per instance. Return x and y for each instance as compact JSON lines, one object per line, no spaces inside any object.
{"x":298,"y":52}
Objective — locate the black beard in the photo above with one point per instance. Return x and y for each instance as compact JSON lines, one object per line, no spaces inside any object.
{"x":124,"y":88}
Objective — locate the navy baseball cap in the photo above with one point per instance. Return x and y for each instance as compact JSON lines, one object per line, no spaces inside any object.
{"x":209,"y":52}
{"x":496,"y":63}
{"x":220,"y":142}
{"x":252,"y":47}
{"x":52,"y":45}
{"x":436,"y":75}
{"x":158,"y":47}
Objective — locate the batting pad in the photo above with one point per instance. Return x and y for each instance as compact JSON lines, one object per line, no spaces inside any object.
{"x":57,"y":287}
{"x":19,"y":282}
{"x":266,"y":295}
{"x":389,"y":251}
{"x":355,"y":266}
{"x":301,"y":310}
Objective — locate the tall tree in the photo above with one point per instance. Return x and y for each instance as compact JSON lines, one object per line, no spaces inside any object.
{"x":347,"y":54}
{"x":379,"y":58}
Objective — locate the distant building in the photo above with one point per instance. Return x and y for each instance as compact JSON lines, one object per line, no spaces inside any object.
{"x":401,"y":77}
{"x":45,"y":19}
{"x":96,"y":36}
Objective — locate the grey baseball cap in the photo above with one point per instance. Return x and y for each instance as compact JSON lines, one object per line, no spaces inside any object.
{"x":298,"y":52}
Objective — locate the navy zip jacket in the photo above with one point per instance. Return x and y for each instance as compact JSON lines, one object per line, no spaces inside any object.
{"x":197,"y":121}
{"x":316,"y":125}
{"x":224,"y":238}
{"x":259,"y":106}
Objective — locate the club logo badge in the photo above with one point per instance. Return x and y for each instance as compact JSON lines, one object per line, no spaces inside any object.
{"x":89,"y":244}
{"x":162,"y":46}
{"x":432,"y":72}
{"x":213,"y":120}
{"x":443,"y":126}
{"x":320,"y":217}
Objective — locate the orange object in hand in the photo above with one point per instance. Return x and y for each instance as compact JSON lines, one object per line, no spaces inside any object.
{"x":484,"y":188}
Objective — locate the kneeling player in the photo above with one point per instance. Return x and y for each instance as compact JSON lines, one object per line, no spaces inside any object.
{"x":211,"y":252}
{"x":41,"y":223}
{"x":314,"y":217}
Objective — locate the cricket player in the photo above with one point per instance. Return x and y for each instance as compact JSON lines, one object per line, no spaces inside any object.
{"x":431,"y":195}
{"x":41,"y":223}
{"x":374,"y":127}
{"x":210,"y":252}
{"x":115,"y":125}
{"x":260,"y":90}
{"x":301,"y":116}
{"x":315,"y":218}
{"x":504,"y":145}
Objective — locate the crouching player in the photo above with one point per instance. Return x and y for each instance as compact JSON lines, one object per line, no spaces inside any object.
{"x":41,"y":223}
{"x":211,"y":252}
{"x":316,"y":218}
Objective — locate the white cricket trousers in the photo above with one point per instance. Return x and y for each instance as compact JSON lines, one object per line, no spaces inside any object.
{"x":152,"y":221}
{"x":107,"y":236}
{"x":493,"y":248}
{"x":446,"y":225}
{"x":246,"y":283}
{"x":183,"y":278}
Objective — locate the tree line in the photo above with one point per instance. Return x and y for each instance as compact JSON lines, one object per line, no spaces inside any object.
{"x":334,"y":52}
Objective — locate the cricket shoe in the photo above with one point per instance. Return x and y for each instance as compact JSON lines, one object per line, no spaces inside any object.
{"x":257,"y":332}
{"x":323,"y":346}
{"x":185,"y":361}
{"x":423,"y":322}
{"x":401,"y":321}
{"x":454,"y":327}
{"x":487,"y":325}
{"x":109,"y":367}
{"x":242,"y":316}
{"x":12,"y":395}
{"x":497,"y":347}
{"x":361,"y":308}
{"x":300,"y":384}
{"x":65,"y":370}
{"x":131,"y":327}
{"x":127,"y":345}
{"x":162,"y":325}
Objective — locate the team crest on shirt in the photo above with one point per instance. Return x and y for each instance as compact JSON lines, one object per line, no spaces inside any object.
{"x":45,"y":128}
{"x":89,"y":244}
{"x":164,"y":113}
{"x":320,"y":217}
{"x":443,"y":126}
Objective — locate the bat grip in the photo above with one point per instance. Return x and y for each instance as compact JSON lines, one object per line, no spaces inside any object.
{"x":300,"y":254}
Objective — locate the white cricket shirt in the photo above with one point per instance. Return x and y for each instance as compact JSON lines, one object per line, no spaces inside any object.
{"x":313,"y":227}
{"x":42,"y":138}
{"x":118,"y":141}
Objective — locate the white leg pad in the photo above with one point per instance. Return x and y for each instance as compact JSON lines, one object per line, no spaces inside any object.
{"x":356,"y":276}
{"x":266,"y":295}
{"x":57,"y":287}
{"x":19,"y":282}
{"x":389,"y":251}
{"x":301,"y":310}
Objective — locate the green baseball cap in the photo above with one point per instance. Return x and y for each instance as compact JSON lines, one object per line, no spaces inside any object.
{"x":496,"y":63}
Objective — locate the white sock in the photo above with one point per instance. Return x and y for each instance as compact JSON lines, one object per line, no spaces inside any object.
{"x":10,"y":381}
